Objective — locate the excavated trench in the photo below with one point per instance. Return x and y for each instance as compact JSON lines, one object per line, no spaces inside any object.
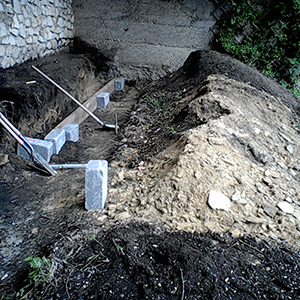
{"x":155,"y":238}
{"x":115,"y":254}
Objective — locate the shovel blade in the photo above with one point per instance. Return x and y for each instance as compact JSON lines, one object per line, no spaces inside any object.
{"x":42,"y":165}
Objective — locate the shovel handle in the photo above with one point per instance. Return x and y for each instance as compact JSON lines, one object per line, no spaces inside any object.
{"x":15,"y":133}
{"x":12,"y":133}
{"x":21,"y":141}
{"x":10,"y":125}
{"x":69,"y":95}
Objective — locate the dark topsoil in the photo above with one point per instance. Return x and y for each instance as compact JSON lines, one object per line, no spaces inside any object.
{"x":90,"y":259}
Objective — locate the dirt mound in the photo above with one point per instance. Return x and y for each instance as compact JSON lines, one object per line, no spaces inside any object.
{"x":185,"y":138}
{"x":249,"y":153}
{"x":200,"y":64}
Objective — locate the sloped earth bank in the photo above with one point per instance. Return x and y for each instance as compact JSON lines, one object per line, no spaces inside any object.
{"x":214,"y":125}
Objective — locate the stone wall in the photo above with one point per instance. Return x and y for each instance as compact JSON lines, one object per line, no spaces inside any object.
{"x":33,"y":28}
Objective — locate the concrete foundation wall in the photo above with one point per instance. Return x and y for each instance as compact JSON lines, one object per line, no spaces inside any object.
{"x":33,"y":28}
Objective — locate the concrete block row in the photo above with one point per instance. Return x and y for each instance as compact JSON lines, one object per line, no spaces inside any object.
{"x":53,"y":142}
{"x":96,"y":173}
{"x":103,"y":98}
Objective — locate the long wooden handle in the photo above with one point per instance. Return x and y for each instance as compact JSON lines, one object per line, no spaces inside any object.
{"x":69,"y":95}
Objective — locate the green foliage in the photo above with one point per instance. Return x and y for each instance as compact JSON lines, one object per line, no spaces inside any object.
{"x":42,"y":271}
{"x":119,"y":248}
{"x":9,"y":296}
{"x":265,"y":34}
{"x":158,"y":104}
{"x":95,"y":259}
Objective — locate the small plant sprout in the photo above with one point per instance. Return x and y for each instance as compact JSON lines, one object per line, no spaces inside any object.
{"x":91,"y":237}
{"x":119,"y":248}
{"x":172,"y":130}
{"x":42,"y":271}
{"x":95,"y":257}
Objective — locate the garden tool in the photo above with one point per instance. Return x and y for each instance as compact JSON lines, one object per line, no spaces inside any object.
{"x":37,"y":160}
{"x":115,"y":126}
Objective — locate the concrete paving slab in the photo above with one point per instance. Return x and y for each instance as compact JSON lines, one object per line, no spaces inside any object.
{"x":102,"y":100}
{"x":44,"y":148}
{"x":58,"y":138}
{"x":119,"y":84}
{"x":72,"y":132}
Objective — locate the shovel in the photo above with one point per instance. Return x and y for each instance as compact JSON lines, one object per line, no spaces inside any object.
{"x":38,"y":161}
{"x":115,"y":126}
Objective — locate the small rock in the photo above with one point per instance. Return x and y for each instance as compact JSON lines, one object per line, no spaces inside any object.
{"x":216,"y":141}
{"x":286,"y":207}
{"x":102,"y":218}
{"x":236,"y":196}
{"x":3,"y":159}
{"x":123,"y":215}
{"x":267,"y":133}
{"x":4,"y":276}
{"x":289,"y":148}
{"x":289,"y":199}
{"x":270,"y":210}
{"x":296,"y":214}
{"x":111,"y":207}
{"x":121,"y":174}
{"x":284,"y":127}
{"x":34,"y":231}
{"x":236,"y":233}
{"x":281,"y":164}
{"x":256,"y":130}
{"x":114,"y":164}
{"x":271,"y":173}
{"x":198,"y":175}
{"x":293,"y":172}
{"x":255,"y":220}
{"x":217,"y":200}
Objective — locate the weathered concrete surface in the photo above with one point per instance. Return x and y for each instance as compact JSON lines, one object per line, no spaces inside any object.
{"x":152,"y":37}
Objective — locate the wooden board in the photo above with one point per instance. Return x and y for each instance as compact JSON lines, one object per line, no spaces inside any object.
{"x":79,"y":115}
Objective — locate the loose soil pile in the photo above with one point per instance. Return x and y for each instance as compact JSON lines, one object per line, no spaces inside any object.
{"x":181,"y":137}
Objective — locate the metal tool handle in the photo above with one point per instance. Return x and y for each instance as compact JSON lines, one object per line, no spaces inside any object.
{"x":116,"y":123}
{"x":12,"y":133}
{"x":38,"y":160}
{"x":16,"y":134}
{"x":69,"y":95}
{"x":68,"y":166}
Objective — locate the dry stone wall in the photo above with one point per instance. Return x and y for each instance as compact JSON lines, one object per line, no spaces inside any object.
{"x":33,"y":28}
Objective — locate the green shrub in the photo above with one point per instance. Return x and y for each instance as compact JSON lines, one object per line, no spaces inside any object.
{"x":266,"y":35}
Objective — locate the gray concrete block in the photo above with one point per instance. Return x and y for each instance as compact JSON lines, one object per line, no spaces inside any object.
{"x":119,"y":84}
{"x":58,"y":138}
{"x":72,"y":132}
{"x":102,"y":100}
{"x":44,"y":148}
{"x":96,"y":184}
